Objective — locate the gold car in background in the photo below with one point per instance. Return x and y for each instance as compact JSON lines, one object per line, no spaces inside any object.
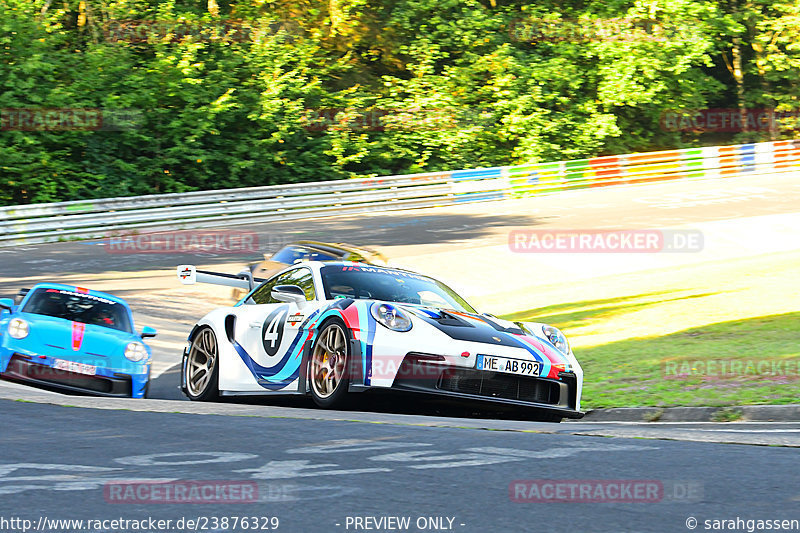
{"x":300,"y":251}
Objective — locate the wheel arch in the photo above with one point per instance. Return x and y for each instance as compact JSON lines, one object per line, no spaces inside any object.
{"x":303,"y":383}
{"x":197,"y":328}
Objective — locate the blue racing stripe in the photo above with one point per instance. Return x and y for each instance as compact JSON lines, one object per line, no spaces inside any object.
{"x":366,"y":343}
{"x":546,"y":364}
{"x":262,"y":373}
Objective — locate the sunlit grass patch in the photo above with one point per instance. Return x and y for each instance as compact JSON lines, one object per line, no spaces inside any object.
{"x":743,"y":362}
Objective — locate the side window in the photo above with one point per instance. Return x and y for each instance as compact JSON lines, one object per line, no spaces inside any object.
{"x":300,"y":276}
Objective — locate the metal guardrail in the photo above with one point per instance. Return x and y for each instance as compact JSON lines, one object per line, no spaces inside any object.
{"x":41,"y":223}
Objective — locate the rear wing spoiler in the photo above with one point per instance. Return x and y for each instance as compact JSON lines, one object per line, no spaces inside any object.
{"x":189,"y":275}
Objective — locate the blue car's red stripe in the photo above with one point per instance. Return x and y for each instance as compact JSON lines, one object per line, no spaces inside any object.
{"x":78,"y":330}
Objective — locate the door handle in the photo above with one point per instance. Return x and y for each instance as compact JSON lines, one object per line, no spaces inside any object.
{"x":255,"y":324}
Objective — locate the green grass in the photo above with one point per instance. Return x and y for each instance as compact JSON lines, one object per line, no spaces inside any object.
{"x":643,"y":338}
{"x":727,"y":414}
{"x":663,"y":371}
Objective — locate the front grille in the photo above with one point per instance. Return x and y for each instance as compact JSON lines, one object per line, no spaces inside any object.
{"x":459,"y":381}
{"x":25,"y":369}
{"x":500,"y":386}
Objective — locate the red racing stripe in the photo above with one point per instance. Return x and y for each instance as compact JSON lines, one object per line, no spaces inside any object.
{"x":557,"y":361}
{"x":350,"y":316}
{"x":77,"y":335}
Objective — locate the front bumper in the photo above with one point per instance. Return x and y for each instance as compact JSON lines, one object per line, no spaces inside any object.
{"x":116,"y":385}
{"x":554,"y":396}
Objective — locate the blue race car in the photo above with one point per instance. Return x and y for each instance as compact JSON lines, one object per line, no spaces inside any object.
{"x":74,"y":339}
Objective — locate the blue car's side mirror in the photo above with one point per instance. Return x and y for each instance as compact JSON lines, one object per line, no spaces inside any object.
{"x":6,"y":304}
{"x":147,"y":331}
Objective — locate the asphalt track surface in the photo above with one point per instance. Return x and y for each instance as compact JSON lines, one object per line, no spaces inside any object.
{"x":318,"y":475}
{"x":318,"y":469}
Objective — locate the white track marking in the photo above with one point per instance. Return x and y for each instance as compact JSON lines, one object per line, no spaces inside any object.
{"x":214,"y":457}
{"x":295,"y":469}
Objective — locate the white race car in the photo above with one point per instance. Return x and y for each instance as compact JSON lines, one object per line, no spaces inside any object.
{"x":331,"y":329}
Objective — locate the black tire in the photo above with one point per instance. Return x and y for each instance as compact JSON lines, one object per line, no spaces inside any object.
{"x":328,"y":365}
{"x":201,"y":370}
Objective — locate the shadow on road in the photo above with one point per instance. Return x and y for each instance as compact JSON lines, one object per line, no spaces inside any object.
{"x":167,"y":387}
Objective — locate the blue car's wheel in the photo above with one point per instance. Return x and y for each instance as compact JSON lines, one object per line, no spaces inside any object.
{"x":202,"y":367}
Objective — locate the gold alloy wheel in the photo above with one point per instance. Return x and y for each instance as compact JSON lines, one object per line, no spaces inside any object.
{"x":201,"y":361}
{"x":328,"y":361}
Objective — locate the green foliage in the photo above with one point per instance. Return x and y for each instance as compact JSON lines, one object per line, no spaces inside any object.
{"x":237,"y":93}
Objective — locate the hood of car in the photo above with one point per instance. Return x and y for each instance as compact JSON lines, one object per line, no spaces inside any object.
{"x":486,"y":329}
{"x":470,"y":327}
{"x":57,"y":336}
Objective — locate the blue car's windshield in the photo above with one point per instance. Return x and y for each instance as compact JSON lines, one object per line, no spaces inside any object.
{"x":375,"y":283}
{"x":79,"y":307}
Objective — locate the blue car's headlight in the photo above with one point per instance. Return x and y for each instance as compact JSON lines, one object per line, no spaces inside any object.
{"x":135,"y":352}
{"x":18,"y":328}
{"x":391,"y":316}
{"x":556,"y":338}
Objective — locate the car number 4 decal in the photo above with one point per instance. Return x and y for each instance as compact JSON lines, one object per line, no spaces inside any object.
{"x":273,"y":331}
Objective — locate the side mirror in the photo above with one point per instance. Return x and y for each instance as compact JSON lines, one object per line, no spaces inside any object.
{"x":7,"y":304}
{"x":147,"y":331}
{"x":289,"y":294}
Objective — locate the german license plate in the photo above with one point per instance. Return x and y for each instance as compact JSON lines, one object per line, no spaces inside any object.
{"x":72,"y":366}
{"x":506,"y":365}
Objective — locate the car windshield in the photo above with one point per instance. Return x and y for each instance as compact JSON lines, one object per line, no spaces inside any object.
{"x":79,"y":307}
{"x":374,"y":283}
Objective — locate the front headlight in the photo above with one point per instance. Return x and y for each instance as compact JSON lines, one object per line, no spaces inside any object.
{"x":135,"y":351}
{"x":391,"y":316}
{"x":18,"y":328}
{"x":556,"y":338}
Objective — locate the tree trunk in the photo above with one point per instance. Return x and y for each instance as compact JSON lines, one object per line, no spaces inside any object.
{"x":766,"y":90}
{"x":738,"y":77}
